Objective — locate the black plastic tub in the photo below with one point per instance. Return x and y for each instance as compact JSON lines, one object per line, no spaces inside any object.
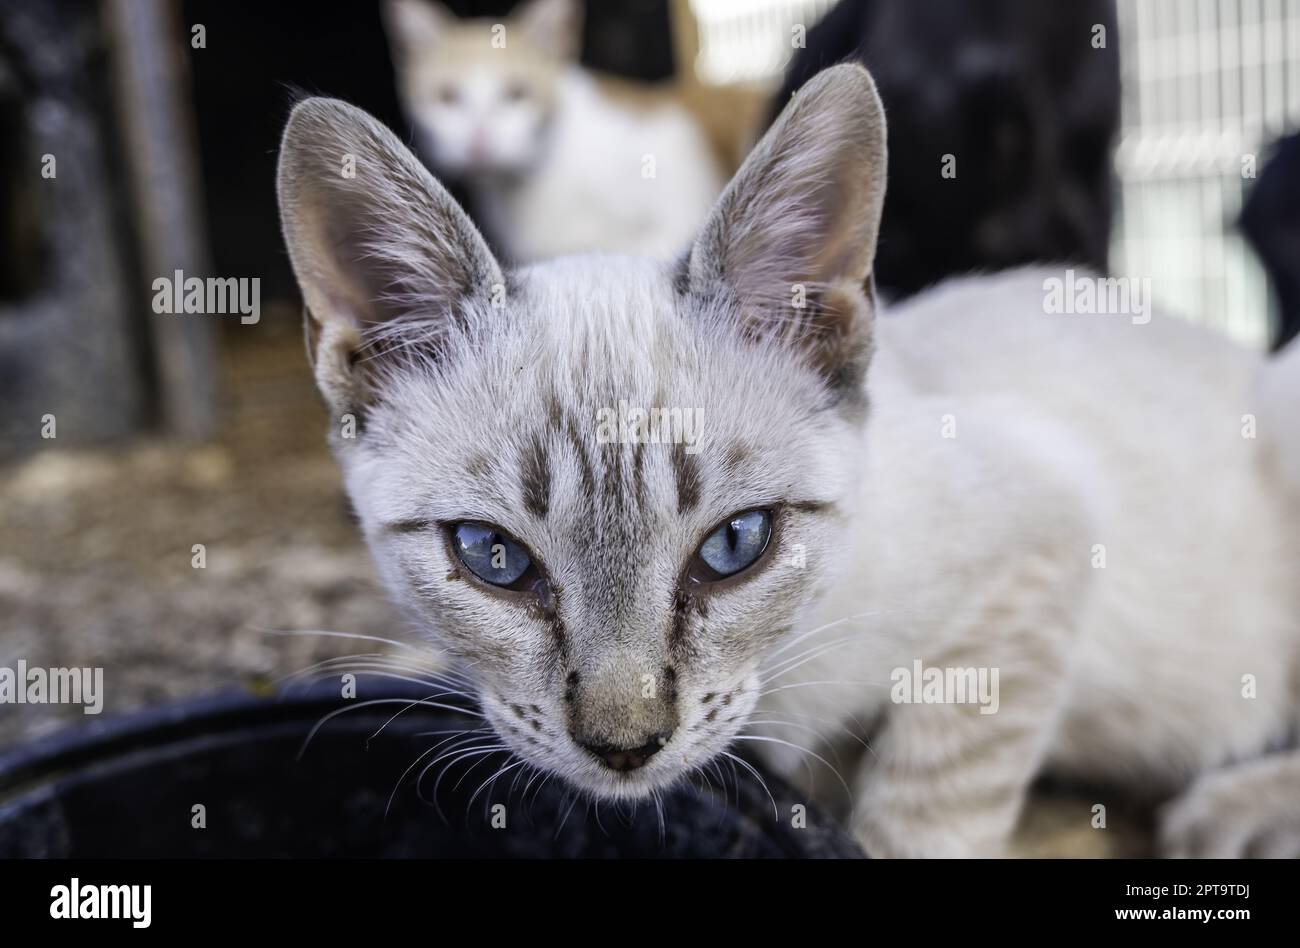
{"x":136,"y":787}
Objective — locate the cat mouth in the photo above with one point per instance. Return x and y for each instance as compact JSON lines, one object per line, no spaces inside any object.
{"x":666,"y":770}
{"x":621,"y":774}
{"x":624,"y":785}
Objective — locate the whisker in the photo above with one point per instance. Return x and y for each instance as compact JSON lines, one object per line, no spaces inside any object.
{"x":802,"y":636}
{"x":722,"y":780}
{"x":369,"y":663}
{"x":659,"y":810}
{"x":404,"y":710}
{"x":391,"y":676}
{"x":776,"y":813}
{"x":546,"y":776}
{"x":514,"y":783}
{"x":735,"y":779}
{"x":374,"y":701}
{"x":456,"y":756}
{"x":780,"y":722}
{"x":810,"y":684}
{"x":500,"y":772}
{"x":341,"y":635}
{"x":833,"y":724}
{"x":776,"y":740}
{"x":560,"y":828}
{"x":459,"y":733}
{"x":324,"y":663}
{"x":456,"y":785}
{"x":425,"y":662}
{"x":788,"y":665}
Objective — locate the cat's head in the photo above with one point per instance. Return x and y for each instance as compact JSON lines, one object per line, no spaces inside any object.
{"x":481,"y":92}
{"x":612,"y":588}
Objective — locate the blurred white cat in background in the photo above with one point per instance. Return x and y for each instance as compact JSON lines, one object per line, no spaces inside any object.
{"x":556,"y":160}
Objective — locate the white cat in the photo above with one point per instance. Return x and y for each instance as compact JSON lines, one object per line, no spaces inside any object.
{"x":1086,"y":512}
{"x":557,"y":161}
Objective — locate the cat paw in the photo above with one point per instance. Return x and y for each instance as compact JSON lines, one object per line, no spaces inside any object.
{"x":1244,"y":813}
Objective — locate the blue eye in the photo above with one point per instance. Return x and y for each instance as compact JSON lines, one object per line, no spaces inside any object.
{"x":489,"y":553}
{"x":736,"y":544}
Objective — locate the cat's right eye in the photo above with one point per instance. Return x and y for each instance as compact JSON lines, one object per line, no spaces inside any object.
{"x":448,"y":95}
{"x":493,"y":555}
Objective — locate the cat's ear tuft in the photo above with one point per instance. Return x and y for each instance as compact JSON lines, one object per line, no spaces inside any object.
{"x":552,"y":25}
{"x":793,"y":236}
{"x":414,"y":26}
{"x":385,"y":259}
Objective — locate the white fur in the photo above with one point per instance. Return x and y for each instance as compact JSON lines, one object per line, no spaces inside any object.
{"x":607,"y":179}
{"x":1070,"y":431}
{"x":950,"y":507}
{"x":557,"y":162}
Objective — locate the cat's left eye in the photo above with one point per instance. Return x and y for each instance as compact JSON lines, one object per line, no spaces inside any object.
{"x":734,"y":545}
{"x":516,"y":92}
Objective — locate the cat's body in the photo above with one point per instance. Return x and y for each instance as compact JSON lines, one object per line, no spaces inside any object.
{"x":1073,"y":500}
{"x":1066,"y":502}
{"x":620,"y":172}
{"x":556,"y":160}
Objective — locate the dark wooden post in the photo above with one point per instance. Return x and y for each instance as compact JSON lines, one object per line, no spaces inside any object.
{"x":152,"y":92}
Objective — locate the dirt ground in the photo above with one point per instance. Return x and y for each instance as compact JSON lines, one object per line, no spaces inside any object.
{"x":96,"y":568}
{"x":96,"y":552}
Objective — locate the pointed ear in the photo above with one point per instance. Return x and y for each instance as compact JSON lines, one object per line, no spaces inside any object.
{"x":792,"y":238}
{"x":552,"y":25}
{"x":414,"y":26}
{"x":384,"y":257}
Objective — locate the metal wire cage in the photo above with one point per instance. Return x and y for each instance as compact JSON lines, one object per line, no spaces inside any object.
{"x":1207,"y":85}
{"x":750,"y":40}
